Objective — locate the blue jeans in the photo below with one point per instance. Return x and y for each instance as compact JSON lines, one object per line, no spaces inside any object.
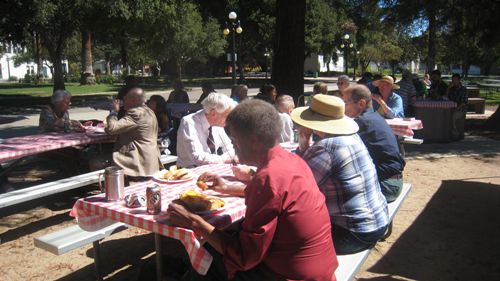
{"x":347,"y":242}
{"x":391,"y":188}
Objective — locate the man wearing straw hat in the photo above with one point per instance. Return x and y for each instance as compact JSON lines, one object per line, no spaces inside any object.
{"x":345,"y":174}
{"x":388,"y":103}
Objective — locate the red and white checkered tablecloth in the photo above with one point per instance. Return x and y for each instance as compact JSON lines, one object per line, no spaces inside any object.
{"x":28,"y":145}
{"x":94,"y":212}
{"x":435,"y":104}
{"x":404,"y":127}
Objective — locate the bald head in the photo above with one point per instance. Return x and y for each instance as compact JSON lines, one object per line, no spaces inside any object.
{"x":135,"y":97}
{"x":357,"y":99}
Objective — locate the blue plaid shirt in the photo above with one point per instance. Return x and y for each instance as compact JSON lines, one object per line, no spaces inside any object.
{"x":345,"y":173}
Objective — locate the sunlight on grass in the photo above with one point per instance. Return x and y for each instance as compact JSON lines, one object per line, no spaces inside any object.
{"x":45,"y":90}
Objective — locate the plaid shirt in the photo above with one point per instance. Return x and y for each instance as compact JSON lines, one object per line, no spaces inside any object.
{"x":346,"y":175}
{"x":458,"y":95}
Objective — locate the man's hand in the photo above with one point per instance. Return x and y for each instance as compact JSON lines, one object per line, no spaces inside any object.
{"x":87,"y":123}
{"x":116,"y":105}
{"x":218,"y":183}
{"x":179,"y":216}
{"x":242,"y":172}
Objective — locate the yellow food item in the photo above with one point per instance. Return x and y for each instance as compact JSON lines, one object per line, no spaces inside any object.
{"x":174,"y":173}
{"x":197,"y":202}
{"x":201,"y":184}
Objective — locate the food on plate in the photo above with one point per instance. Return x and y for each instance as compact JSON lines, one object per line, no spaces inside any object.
{"x":176,"y":174}
{"x":202,"y":184}
{"x":198,"y":202}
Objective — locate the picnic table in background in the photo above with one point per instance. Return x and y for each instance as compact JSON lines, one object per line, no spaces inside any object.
{"x":94,"y":212}
{"x":437,"y":119}
{"x":18,"y":147}
{"x":404,"y":126}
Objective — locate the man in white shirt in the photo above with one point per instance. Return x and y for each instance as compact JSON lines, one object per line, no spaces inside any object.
{"x":201,"y":138}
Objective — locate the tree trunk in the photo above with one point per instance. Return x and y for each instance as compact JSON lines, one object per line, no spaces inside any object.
{"x":431,"y":59}
{"x":289,"y":48}
{"x":38,"y":56}
{"x":58,"y":75}
{"x":124,"y":52}
{"x":87,"y":75}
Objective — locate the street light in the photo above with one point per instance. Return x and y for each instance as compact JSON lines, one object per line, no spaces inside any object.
{"x":266,"y":55}
{"x":345,"y":45}
{"x":233,"y":27}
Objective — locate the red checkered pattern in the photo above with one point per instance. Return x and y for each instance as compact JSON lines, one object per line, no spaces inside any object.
{"x":28,"y":145}
{"x":94,"y":212}
{"x":435,"y":104}
{"x":403,"y":127}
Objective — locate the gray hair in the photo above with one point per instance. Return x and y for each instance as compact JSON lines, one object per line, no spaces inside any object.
{"x":360,"y":92}
{"x":59,"y":95}
{"x":344,"y":77}
{"x":284,"y":102}
{"x":320,"y":88}
{"x":138,"y":93}
{"x":218,"y":102}
{"x":256,"y":118}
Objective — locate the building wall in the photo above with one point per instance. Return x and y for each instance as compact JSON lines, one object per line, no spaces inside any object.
{"x":315,"y":63}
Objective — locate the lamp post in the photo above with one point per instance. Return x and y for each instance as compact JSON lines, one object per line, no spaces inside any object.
{"x":345,"y":45}
{"x":357,"y":64}
{"x":233,"y":27}
{"x":266,"y":55}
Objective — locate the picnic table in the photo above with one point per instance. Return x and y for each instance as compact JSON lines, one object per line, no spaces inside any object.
{"x":94,"y":212}
{"x":19,"y":147}
{"x":440,"y":119}
{"x":404,"y":126}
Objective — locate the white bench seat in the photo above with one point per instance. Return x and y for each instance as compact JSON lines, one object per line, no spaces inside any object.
{"x":46,"y":189}
{"x":349,"y":265}
{"x":73,"y":237}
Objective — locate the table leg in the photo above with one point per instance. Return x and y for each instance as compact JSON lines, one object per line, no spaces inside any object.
{"x":159,"y":257}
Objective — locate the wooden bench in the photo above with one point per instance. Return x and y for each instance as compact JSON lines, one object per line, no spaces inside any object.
{"x":477,"y":105}
{"x":349,"y":265}
{"x":73,"y":237}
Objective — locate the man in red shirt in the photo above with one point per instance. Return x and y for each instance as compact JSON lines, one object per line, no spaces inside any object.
{"x":286,"y":233}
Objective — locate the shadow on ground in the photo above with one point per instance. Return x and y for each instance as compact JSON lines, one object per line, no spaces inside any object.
{"x":462,"y":209}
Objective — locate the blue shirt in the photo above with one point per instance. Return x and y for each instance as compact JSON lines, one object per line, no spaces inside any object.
{"x":395,"y":104}
{"x":346,"y":175}
{"x":381,"y":143}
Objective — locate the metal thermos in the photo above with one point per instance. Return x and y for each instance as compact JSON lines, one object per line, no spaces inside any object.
{"x":114,"y":183}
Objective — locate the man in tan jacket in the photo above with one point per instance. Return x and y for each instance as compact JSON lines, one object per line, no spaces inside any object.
{"x":136,"y":147}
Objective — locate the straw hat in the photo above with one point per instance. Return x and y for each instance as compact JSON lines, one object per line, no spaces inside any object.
{"x":386,"y":79}
{"x":325,"y":114}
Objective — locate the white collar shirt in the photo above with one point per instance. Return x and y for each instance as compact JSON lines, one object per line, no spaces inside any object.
{"x":192,"y":147}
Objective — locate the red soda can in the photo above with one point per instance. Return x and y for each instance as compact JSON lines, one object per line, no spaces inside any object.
{"x":153,"y":199}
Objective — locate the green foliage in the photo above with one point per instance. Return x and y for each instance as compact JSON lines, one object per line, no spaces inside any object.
{"x":106,"y":79}
{"x":12,"y":78}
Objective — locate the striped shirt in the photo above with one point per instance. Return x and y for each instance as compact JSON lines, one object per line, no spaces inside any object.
{"x":345,"y":173}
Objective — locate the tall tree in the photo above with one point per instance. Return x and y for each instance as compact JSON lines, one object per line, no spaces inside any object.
{"x":289,"y":47}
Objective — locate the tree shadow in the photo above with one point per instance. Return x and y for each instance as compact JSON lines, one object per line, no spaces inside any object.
{"x":456,"y":237}
{"x":127,"y":253}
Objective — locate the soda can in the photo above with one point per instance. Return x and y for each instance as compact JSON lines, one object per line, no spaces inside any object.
{"x":153,"y":199}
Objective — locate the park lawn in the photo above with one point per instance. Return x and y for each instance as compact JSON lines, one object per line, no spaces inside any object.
{"x":45,"y":90}
{"x":491,"y":97}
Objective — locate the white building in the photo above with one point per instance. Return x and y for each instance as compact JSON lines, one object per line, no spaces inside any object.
{"x":315,"y":63}
{"x":9,"y":70}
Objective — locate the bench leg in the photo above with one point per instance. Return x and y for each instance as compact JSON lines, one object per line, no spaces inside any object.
{"x":97,"y":260}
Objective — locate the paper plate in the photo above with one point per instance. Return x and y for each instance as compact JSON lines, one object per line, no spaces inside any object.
{"x":158,"y":176}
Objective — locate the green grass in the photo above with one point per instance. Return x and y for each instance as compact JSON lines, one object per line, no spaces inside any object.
{"x":491,"y":97}
{"x":45,"y":90}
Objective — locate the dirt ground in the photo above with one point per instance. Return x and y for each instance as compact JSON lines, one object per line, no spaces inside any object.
{"x":447,"y":229}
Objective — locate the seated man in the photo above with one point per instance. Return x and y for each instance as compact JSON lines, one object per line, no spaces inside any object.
{"x":344,"y":172}
{"x":286,"y":231}
{"x":388,"y":104}
{"x":55,"y":117}
{"x":136,"y":147}
{"x":439,"y":88}
{"x":201,"y":138}
{"x":285,"y":105}
{"x":378,"y":138}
